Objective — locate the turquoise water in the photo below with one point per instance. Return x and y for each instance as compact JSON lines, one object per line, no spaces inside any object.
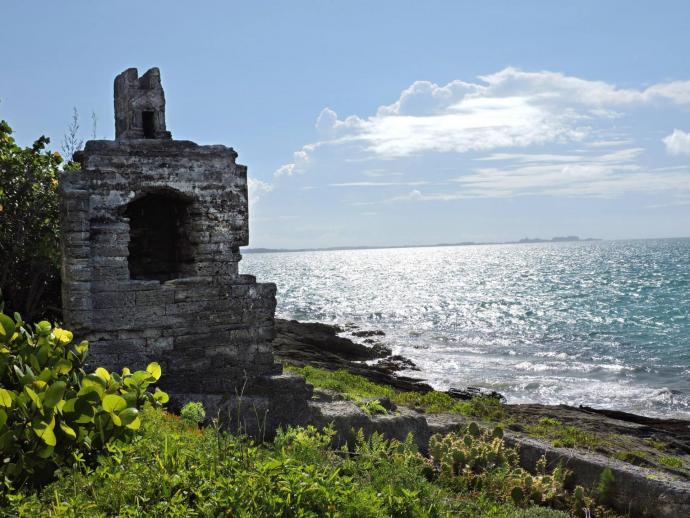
{"x":605,"y":323}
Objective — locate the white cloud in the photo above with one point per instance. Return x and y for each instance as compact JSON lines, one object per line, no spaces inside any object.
{"x":511,"y":108}
{"x":255,"y":188}
{"x":300,"y":160}
{"x":546,"y":131}
{"x":678,"y":143}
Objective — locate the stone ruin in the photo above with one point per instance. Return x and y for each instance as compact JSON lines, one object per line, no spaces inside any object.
{"x":152,"y":229}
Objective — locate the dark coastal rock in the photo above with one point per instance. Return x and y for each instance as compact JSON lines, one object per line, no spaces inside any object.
{"x":301,"y":344}
{"x":368,"y":333}
{"x":473,"y":392}
{"x":307,"y":339}
{"x":396,"y":363}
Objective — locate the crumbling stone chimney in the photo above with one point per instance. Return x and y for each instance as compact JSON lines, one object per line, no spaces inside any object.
{"x":152,"y":229}
{"x":140,"y":105}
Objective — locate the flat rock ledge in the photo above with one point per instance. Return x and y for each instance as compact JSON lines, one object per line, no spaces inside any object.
{"x":638,"y":491}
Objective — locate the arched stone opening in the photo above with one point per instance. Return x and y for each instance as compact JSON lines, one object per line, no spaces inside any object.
{"x":159,"y":244}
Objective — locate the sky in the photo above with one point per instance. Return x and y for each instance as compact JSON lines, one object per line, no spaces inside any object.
{"x":391,"y":123}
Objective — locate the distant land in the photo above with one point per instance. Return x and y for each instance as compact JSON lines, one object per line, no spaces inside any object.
{"x":524,"y":240}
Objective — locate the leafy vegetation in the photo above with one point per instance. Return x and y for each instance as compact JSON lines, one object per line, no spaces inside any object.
{"x":359,"y":388}
{"x":606,"y":488}
{"x":29,"y":246}
{"x":52,"y":413}
{"x":563,"y":436}
{"x":473,"y":460}
{"x":193,"y":413}
{"x":373,"y":407}
{"x":173,"y":469}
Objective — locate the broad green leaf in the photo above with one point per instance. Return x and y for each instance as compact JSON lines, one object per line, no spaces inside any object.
{"x":113,"y":403}
{"x":54,"y":394}
{"x":5,"y":440}
{"x":46,"y":433}
{"x":5,"y":398}
{"x":68,"y":430}
{"x":85,"y":407}
{"x":160,"y":396}
{"x":63,"y":366}
{"x":103,"y":374}
{"x":34,"y":397}
{"x":92,"y":383}
{"x":3,"y":418}
{"x":6,"y":328}
{"x":135,"y":425}
{"x":39,"y":385}
{"x":43,"y":328}
{"x":46,"y":452}
{"x":33,"y":361}
{"x":82,"y":347}
{"x":154,"y":370}
{"x":128,"y":415}
{"x":45,"y":375}
{"x":68,"y":407}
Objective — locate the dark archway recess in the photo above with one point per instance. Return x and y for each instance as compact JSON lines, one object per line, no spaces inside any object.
{"x":159,"y":245}
{"x":148,"y":124}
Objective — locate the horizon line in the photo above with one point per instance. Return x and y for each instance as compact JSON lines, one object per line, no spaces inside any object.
{"x":524,"y":241}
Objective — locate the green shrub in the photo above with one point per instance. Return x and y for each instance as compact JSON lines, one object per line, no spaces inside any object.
{"x":29,"y":234}
{"x":193,"y":413}
{"x":52,"y":413}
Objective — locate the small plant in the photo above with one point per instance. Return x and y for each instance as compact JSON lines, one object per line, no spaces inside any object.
{"x":606,"y":487}
{"x":373,"y":407}
{"x":671,"y":461}
{"x":193,"y":413}
{"x":657,"y":445}
{"x":52,"y":413}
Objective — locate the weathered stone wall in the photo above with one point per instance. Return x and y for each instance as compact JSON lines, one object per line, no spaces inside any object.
{"x":210,"y":327}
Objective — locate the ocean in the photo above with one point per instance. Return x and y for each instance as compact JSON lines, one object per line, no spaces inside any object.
{"x":600,"y":323}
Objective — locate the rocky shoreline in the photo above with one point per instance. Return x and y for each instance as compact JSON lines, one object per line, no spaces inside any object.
{"x":649,"y":458}
{"x":633,"y":436}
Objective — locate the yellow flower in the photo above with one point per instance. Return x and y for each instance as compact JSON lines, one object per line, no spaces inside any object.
{"x":63,"y":335}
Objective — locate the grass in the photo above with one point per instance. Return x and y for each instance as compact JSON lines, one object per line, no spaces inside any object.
{"x":174,"y":469}
{"x":657,"y":445}
{"x":358,"y":388}
{"x":671,"y":461}
{"x":563,"y":435}
{"x":636,"y":457}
